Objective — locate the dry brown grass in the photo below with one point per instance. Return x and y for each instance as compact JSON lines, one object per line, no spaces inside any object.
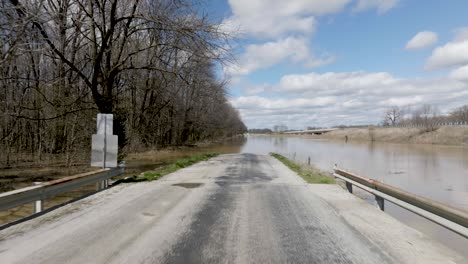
{"x":447,"y":135}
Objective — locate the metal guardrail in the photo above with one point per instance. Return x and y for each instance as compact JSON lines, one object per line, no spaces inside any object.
{"x":449,"y":217}
{"x":438,"y":124}
{"x":42,"y":191}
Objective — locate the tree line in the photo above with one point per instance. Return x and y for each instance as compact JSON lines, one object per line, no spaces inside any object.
{"x":426,"y":115}
{"x":152,"y":63}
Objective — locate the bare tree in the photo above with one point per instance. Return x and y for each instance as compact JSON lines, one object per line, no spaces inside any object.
{"x":150,"y":63}
{"x":460,"y":114}
{"x":426,"y":116}
{"x":393,"y":115}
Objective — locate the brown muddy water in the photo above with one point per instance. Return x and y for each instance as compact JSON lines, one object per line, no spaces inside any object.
{"x":434,"y":171}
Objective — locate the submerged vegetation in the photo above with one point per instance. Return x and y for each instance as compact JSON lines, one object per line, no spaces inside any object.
{"x":309,"y":174}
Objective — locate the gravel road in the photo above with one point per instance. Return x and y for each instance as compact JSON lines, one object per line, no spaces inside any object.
{"x":241,"y":208}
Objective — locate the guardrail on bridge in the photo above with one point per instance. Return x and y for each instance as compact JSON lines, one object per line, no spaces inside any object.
{"x":449,"y":217}
{"x":41,"y":191}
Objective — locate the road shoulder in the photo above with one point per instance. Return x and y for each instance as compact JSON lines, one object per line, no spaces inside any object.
{"x":385,"y":232}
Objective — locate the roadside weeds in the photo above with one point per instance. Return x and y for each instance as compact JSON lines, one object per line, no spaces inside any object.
{"x":167,"y":169}
{"x":309,"y":174}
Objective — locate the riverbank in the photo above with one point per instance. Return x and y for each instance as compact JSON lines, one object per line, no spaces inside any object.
{"x":308,"y":173}
{"x":446,"y":135}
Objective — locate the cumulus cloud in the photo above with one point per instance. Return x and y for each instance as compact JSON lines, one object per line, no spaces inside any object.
{"x":262,"y":56}
{"x":255,"y":89}
{"x":255,"y":102}
{"x":276,"y":18}
{"x":382,"y":6}
{"x":344,"y":98}
{"x":449,"y":55}
{"x":460,"y":74}
{"x":422,"y":40}
{"x":335,"y":83}
{"x":318,"y":62}
{"x":402,"y":101}
{"x":454,"y":53}
{"x":290,"y":23}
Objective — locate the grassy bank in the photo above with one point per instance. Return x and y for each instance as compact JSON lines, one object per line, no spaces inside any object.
{"x":169,"y":168}
{"x":309,"y":174}
{"x":446,"y":135}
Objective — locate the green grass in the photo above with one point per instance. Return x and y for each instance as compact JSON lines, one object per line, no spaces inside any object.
{"x":170,"y":168}
{"x":309,"y":174}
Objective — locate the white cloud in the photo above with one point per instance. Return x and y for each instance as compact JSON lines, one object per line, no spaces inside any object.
{"x":402,"y":101}
{"x":461,"y":34}
{"x":422,"y":40}
{"x":335,"y":83}
{"x":273,"y":18}
{"x":451,"y":54}
{"x":460,"y":74}
{"x":262,"y":56}
{"x":334,"y":98}
{"x":256,"y":89}
{"x":254,"y":102}
{"x":454,"y":53}
{"x":318,"y":62}
{"x":382,"y":6}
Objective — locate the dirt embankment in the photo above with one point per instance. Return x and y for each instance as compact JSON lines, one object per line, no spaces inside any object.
{"x":446,"y":135}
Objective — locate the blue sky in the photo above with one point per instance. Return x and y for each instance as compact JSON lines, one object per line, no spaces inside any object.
{"x":329,"y":62}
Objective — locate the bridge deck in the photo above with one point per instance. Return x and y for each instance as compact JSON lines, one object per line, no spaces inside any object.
{"x":313,"y":131}
{"x":232,"y":209}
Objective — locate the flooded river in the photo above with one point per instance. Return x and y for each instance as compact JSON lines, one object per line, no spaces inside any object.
{"x":433,"y":171}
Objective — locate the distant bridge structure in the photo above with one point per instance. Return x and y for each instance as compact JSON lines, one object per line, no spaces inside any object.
{"x":312,"y":131}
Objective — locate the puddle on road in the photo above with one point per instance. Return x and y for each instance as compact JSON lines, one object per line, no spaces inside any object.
{"x":188,"y":185}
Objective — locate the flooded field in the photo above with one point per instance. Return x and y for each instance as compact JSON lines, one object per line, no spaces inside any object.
{"x":16,"y":178}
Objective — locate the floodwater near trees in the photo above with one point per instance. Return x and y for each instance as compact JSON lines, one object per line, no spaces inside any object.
{"x":136,"y":163}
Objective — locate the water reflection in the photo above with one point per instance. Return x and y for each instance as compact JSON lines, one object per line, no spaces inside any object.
{"x":437,"y":172}
{"x":280,"y":142}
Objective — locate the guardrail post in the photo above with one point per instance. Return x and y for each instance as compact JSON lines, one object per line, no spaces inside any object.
{"x":380,"y":202}
{"x":37,"y":204}
{"x":98,"y":186}
{"x":101,"y":185}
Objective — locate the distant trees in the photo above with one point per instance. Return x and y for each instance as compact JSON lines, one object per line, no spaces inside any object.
{"x":260,"y":131}
{"x":280,"y":128}
{"x":150,"y":63}
{"x":459,"y":114}
{"x":426,"y":115}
